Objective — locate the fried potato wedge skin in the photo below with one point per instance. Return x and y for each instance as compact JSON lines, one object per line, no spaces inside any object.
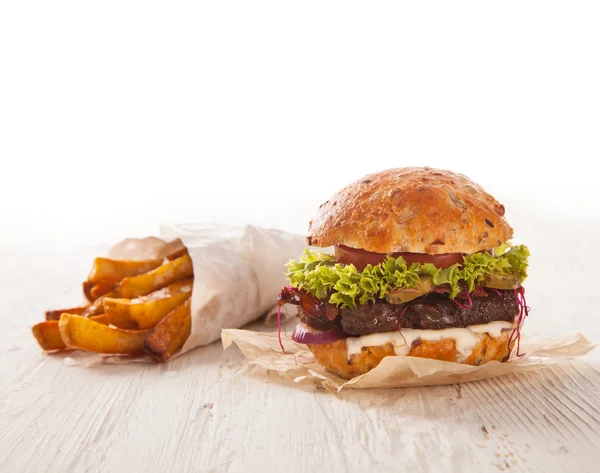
{"x":106,"y":319}
{"x":96,"y":308}
{"x":95,"y":290}
{"x":112,"y":270}
{"x":100,"y":289}
{"x":80,"y":333}
{"x":55,"y":314}
{"x":48,"y":335}
{"x":169,"y":335}
{"x":101,"y":319}
{"x":146,"y":311}
{"x":173,"y":271}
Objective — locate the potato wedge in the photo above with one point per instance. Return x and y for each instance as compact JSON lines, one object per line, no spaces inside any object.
{"x":106,"y":319}
{"x":86,"y":334}
{"x":101,"y":288}
{"x":112,"y":270}
{"x":94,"y":290}
{"x":169,"y":335}
{"x":158,"y":278}
{"x":48,"y":336}
{"x":101,"y":319}
{"x":96,"y":307}
{"x":87,"y":288}
{"x":174,"y":249}
{"x":55,"y":314}
{"x":146,"y":311}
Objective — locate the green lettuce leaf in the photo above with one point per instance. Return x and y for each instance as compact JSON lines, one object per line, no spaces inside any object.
{"x":320,"y":274}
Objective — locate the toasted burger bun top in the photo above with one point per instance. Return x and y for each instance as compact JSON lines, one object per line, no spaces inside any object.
{"x":416,"y":210}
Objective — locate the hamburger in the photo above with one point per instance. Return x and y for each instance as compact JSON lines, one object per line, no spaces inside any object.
{"x":419,"y":264}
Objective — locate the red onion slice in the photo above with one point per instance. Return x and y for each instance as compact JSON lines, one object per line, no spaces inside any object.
{"x":302,"y":334}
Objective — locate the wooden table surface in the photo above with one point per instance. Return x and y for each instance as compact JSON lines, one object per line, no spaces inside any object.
{"x":208,"y":411}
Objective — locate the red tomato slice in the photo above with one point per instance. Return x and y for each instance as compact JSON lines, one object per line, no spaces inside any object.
{"x":361,"y":258}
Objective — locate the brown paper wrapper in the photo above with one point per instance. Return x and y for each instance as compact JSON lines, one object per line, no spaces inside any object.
{"x":298,"y":364}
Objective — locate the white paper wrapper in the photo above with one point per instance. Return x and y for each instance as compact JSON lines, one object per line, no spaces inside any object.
{"x":298,"y":364}
{"x":238,"y":272}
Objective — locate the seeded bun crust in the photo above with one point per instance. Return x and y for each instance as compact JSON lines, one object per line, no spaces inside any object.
{"x":334,"y":356}
{"x":416,"y":210}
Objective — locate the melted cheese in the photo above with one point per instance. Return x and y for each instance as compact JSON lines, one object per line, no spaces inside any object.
{"x":465,"y":338}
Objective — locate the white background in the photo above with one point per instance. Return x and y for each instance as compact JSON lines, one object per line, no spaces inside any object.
{"x":117,"y":116}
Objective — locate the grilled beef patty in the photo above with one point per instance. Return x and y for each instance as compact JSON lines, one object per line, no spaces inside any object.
{"x":430,"y":312}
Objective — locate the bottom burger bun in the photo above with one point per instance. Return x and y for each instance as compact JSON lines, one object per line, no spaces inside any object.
{"x":334,"y":356}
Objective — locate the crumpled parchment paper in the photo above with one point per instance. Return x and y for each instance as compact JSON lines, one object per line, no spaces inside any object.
{"x":238,"y":272}
{"x":298,"y":364}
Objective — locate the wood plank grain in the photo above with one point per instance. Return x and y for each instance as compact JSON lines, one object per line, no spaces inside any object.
{"x":219,"y":414}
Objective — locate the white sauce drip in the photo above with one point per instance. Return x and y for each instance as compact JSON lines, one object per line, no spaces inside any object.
{"x":465,"y":338}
